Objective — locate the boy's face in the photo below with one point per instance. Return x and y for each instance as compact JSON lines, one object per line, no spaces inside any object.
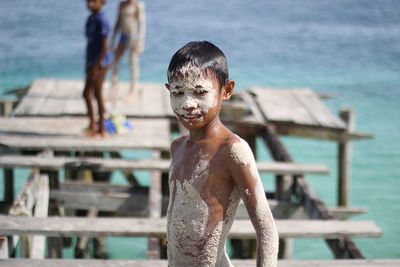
{"x":95,"y":5}
{"x":195,"y":98}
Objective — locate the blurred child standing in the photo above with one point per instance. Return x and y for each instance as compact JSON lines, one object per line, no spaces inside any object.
{"x":98,"y":59}
{"x":131,"y":24}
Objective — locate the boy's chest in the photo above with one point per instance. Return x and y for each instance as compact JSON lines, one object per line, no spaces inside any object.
{"x":199,"y":166}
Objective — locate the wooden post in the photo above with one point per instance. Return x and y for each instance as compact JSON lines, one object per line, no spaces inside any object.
{"x":8,"y":185}
{"x":153,"y":251}
{"x":6,"y":107}
{"x":41,"y":210}
{"x":344,"y":160}
{"x":3,"y":247}
{"x":284,"y":184}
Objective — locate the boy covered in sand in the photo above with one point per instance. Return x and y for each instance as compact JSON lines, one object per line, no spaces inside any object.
{"x":211,"y":168}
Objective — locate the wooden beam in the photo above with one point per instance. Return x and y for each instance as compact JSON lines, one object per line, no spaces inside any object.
{"x":314,"y":132}
{"x":101,"y":164}
{"x":127,"y":200}
{"x":149,"y":227}
{"x":134,"y":203}
{"x":164,"y":263}
{"x":345,"y":213}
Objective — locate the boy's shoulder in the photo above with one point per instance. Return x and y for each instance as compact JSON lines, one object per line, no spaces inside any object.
{"x":238,"y":150}
{"x":177,"y":142}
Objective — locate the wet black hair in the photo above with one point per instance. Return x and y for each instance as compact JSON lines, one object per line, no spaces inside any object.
{"x":204,"y":55}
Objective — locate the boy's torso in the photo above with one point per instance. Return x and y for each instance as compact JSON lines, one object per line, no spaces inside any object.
{"x":203,"y":203}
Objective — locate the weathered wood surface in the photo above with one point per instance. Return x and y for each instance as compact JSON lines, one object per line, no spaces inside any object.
{"x":65,"y":134}
{"x":25,"y":201}
{"x":306,"y":196}
{"x":100,"y":164}
{"x":300,"y":112}
{"x":344,"y":213}
{"x":316,"y":132}
{"x":133,"y":201}
{"x":49,"y":97}
{"x":164,"y":263}
{"x":127,"y":200}
{"x":38,"y":247}
{"x":149,"y":227}
{"x":3,"y":248}
{"x":300,"y":106}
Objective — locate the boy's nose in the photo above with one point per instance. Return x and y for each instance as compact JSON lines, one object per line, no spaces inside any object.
{"x":189,"y":103}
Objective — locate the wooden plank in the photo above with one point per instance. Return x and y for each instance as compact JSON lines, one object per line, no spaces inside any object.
{"x":150,"y":101}
{"x":149,"y":227}
{"x":75,"y":104}
{"x":65,"y":134}
{"x":134,"y":203}
{"x":35,"y":98}
{"x":252,"y":105}
{"x":308,"y":131}
{"x":345,"y":213}
{"x":316,"y":108}
{"x":99,"y":164}
{"x":127,"y":200}
{"x":55,"y":101}
{"x":279,"y":209}
{"x":282,"y":106}
{"x":164,"y":263}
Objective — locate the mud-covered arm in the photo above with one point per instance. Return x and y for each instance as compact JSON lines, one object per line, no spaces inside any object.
{"x":246,"y":178}
{"x":142,"y":26}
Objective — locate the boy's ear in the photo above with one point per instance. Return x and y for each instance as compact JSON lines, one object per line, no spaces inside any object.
{"x":167,"y":86}
{"x":228,"y":90}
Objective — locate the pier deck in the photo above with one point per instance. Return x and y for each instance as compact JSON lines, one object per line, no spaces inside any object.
{"x":48,"y":122}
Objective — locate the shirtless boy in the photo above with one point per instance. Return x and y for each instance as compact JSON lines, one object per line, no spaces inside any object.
{"x":211,"y":168}
{"x":131,"y":24}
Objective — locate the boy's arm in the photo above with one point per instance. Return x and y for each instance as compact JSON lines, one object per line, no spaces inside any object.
{"x":117,"y":26}
{"x":247,"y":180}
{"x":142,"y":26}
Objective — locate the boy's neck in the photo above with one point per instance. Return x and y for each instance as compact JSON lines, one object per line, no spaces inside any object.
{"x":94,"y":13}
{"x":210,"y":130}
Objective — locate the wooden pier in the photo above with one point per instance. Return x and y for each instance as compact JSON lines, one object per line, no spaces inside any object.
{"x":43,"y":134}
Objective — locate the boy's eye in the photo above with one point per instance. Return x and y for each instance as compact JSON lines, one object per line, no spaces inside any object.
{"x":201,"y":92}
{"x":174,"y":93}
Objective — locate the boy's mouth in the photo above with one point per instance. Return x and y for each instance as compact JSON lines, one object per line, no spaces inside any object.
{"x":192,"y":118}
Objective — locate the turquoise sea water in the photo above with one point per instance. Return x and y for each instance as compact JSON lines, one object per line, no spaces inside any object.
{"x":350,"y":48}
